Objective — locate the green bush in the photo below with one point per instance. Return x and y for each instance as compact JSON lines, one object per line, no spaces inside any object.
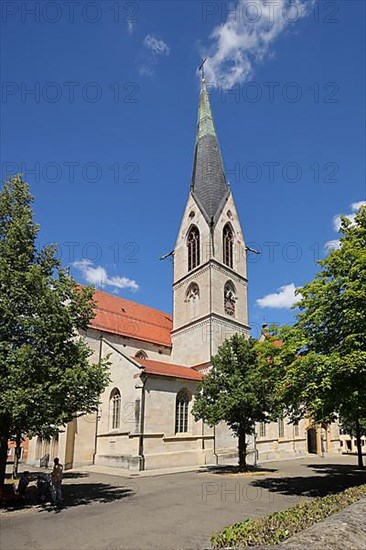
{"x":277,"y":527}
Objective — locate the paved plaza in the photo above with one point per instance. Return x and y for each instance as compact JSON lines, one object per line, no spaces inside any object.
{"x":176,"y":511}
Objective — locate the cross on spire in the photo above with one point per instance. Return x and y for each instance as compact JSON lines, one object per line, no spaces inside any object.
{"x":201,"y":68}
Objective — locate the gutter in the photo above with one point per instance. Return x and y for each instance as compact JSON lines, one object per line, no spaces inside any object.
{"x":212,"y":255}
{"x":97,"y":415}
{"x":143,"y":378}
{"x":142,"y":423}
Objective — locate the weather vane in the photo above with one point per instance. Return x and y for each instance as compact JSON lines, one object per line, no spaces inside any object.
{"x":202,"y":69}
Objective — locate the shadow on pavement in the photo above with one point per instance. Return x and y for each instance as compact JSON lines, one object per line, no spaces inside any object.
{"x":74,"y":494}
{"x":229,"y":469}
{"x":337,"y":469}
{"x":33,"y":474}
{"x":81,"y":494}
{"x":332,"y":478}
{"x":74,"y":475}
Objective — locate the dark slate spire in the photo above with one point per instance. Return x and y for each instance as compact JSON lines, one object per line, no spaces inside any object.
{"x":209,"y":186}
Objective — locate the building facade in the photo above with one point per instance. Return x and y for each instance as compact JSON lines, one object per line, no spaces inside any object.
{"x":144,"y":420}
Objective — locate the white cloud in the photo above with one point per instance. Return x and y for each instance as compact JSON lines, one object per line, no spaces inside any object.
{"x":130,"y":25}
{"x":333,"y":244}
{"x":284,"y":299}
{"x":98,"y":276}
{"x":336,"y":222}
{"x":247,"y":36}
{"x":156,"y":46}
{"x":153,"y":49}
{"x":144,"y":70}
{"x":355,"y":206}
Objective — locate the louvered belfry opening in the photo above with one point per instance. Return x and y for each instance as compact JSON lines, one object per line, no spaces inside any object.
{"x":227,"y":239}
{"x":193,"y":244}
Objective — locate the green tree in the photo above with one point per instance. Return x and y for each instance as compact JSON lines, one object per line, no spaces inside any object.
{"x":278,"y":352}
{"x":350,"y":428}
{"x":46,"y":378}
{"x":322,"y":363}
{"x":234,"y":392}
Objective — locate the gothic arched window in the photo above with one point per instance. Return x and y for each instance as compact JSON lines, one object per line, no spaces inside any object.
{"x":192,"y":298}
{"x":193,"y":244}
{"x":115,"y":408}
{"x":229,"y":298}
{"x":281,"y":428}
{"x":181,"y":412}
{"x":228,"y":240}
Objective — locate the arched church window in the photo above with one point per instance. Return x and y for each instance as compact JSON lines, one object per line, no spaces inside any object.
{"x":228,"y":240}
{"x":141,"y":354}
{"x":193,"y":292}
{"x":115,"y":408}
{"x":193,"y":244}
{"x":181,"y":412}
{"x":192,"y":299}
{"x":281,"y":427}
{"x":229,"y":298}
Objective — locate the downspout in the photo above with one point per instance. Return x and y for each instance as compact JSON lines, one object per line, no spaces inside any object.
{"x":212,"y":254}
{"x":97,"y":415}
{"x":255,"y":448}
{"x":142,"y":423}
{"x":142,"y":417}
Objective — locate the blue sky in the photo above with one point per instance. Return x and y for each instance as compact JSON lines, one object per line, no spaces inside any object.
{"x":109,"y":131}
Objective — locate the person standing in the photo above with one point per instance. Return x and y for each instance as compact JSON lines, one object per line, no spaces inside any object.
{"x":23,"y":484}
{"x":56,"y":479}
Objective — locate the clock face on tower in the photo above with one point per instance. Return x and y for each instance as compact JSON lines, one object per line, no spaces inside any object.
{"x":229,"y":306}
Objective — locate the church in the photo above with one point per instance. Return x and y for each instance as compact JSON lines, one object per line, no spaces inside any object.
{"x":144,"y":420}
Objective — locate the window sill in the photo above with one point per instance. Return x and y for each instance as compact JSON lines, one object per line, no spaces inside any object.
{"x":182,"y":436}
{"x":112,"y":433}
{"x":151,"y":434}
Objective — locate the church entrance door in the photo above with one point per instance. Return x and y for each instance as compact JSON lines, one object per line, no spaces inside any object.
{"x":312,"y":444}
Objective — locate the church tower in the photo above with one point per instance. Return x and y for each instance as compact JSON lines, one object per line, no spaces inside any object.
{"x":210,"y":275}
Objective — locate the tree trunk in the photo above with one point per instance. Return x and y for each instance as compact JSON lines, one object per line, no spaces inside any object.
{"x":242,"y":447}
{"x":358,"y":442}
{"x":3,"y":456}
{"x":17,"y":452}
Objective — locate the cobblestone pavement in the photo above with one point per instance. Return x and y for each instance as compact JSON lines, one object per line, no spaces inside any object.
{"x":177,"y":511}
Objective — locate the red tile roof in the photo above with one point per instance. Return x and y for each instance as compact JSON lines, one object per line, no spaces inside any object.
{"x":266,"y":335}
{"x":167,"y":369}
{"x":126,"y":318}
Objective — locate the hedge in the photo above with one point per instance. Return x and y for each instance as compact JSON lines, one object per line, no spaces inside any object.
{"x":275,"y":528}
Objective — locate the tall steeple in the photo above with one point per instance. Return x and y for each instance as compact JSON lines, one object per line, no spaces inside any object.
{"x":210,"y":277}
{"x":208,"y":186}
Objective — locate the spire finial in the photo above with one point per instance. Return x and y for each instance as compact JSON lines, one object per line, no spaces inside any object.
{"x":201,"y":68}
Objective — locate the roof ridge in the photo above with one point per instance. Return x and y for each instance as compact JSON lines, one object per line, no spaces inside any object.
{"x":162,"y":368}
{"x":163,"y":362}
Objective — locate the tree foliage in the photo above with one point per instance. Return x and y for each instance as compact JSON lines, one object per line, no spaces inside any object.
{"x":321,"y":367}
{"x":234,"y":391}
{"x":46,"y":378}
